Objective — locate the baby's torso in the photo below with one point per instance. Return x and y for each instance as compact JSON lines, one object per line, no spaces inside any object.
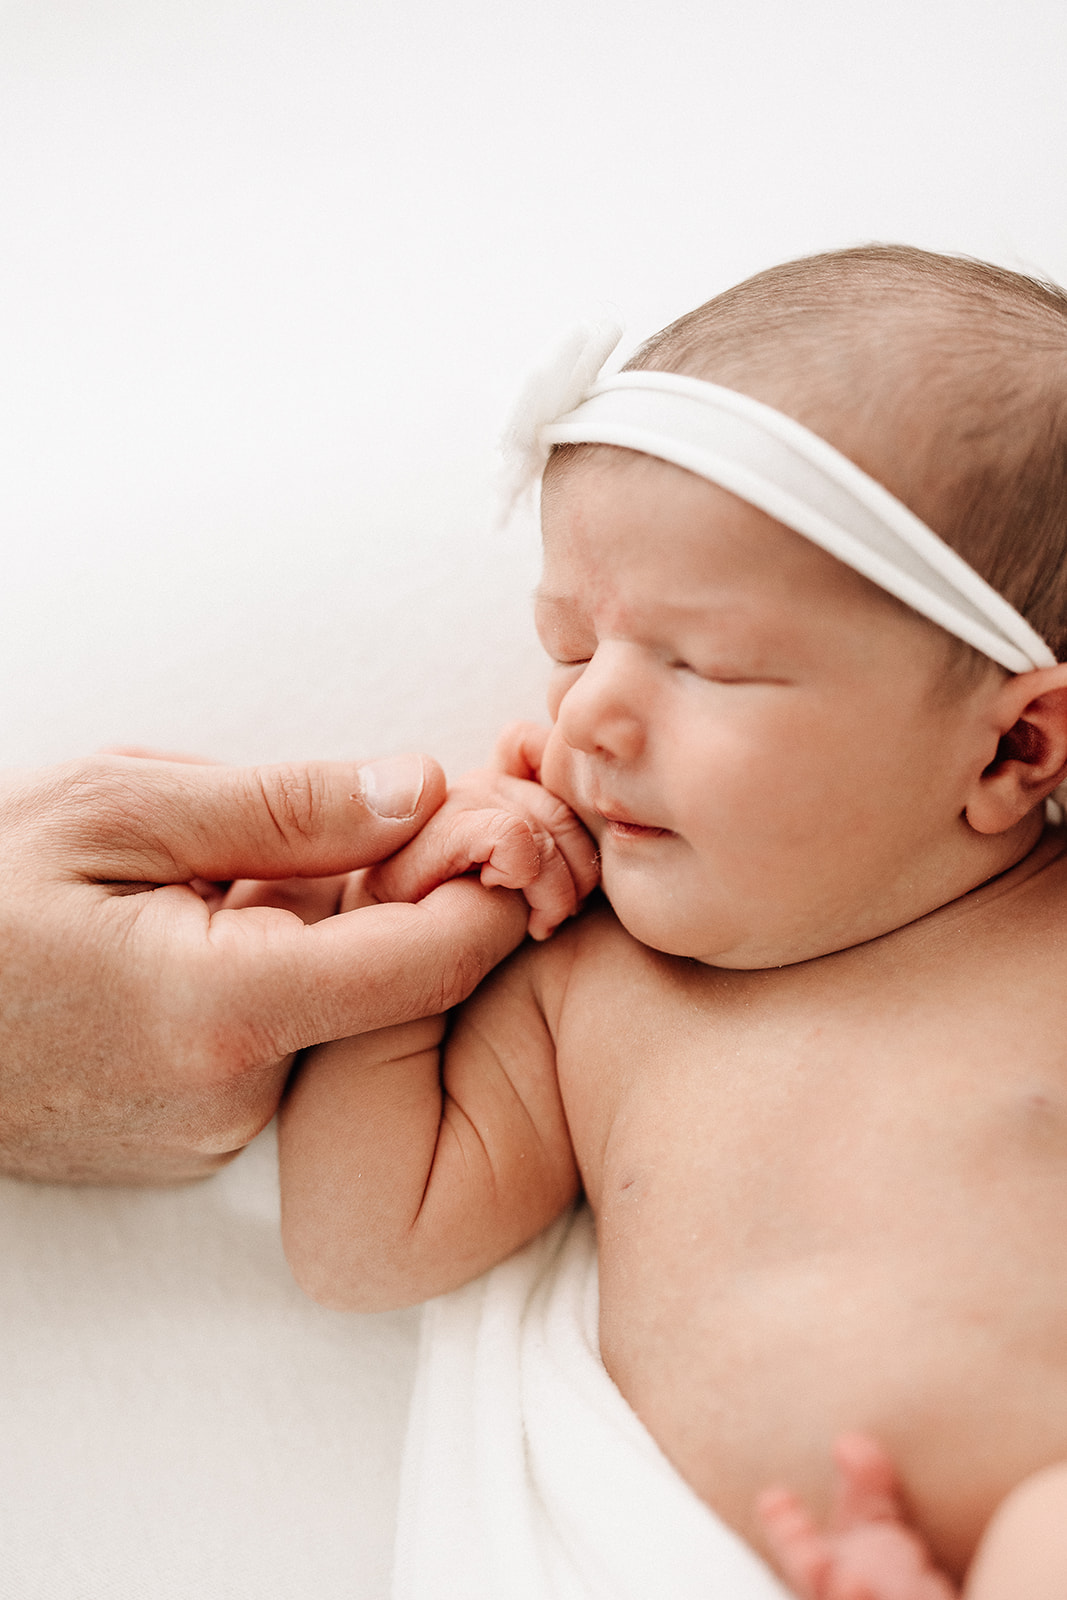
{"x":833,"y":1197}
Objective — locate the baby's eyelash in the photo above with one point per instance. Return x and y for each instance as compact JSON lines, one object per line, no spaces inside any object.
{"x":711,"y":673}
{"x":722,"y":675}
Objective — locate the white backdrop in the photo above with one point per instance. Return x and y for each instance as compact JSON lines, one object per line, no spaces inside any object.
{"x":270,"y":274}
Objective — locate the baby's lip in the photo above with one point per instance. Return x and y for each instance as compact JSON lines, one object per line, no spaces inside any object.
{"x":610,"y":812}
{"x":624,"y":822}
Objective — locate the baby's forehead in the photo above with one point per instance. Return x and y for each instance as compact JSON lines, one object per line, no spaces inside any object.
{"x":624,"y":560}
{"x":623,"y":529}
{"x":939,"y":379}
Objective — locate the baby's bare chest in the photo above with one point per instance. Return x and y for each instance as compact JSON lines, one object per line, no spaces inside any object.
{"x":915,"y":1073}
{"x":835,"y":1200}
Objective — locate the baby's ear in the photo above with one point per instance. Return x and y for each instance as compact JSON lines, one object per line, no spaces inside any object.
{"x":1030,"y":722}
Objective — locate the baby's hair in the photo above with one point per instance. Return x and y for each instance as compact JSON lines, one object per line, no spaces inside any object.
{"x":943,"y":377}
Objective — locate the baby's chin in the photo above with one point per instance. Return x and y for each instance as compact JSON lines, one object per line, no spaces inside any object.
{"x":659,"y":927}
{"x":714,"y":942}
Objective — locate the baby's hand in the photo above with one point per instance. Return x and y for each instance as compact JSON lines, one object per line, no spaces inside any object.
{"x":868,"y":1551}
{"x":501,"y":822}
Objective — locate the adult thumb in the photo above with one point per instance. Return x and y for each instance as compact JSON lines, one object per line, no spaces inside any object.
{"x":131,"y":820}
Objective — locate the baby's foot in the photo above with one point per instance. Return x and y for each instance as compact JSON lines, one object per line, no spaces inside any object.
{"x":868,"y":1551}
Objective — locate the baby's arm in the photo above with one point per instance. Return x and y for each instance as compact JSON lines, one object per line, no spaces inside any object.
{"x":416,"y":1157}
{"x":1023,"y":1552}
{"x":869,"y":1551}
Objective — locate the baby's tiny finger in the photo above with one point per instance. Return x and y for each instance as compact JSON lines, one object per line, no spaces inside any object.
{"x":141,"y":752}
{"x":569,"y":839}
{"x":496,"y":843}
{"x":519,"y":750}
{"x":541,"y":926}
{"x":553,"y":895}
{"x":355,"y":891}
{"x":515,"y":857}
{"x":579,"y":851}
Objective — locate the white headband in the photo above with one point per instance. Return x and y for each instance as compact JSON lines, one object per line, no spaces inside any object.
{"x":773,"y":463}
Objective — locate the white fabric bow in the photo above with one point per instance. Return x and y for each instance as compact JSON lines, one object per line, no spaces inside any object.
{"x":558,"y":384}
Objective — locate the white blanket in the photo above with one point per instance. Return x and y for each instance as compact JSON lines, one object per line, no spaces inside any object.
{"x":177,"y":1421}
{"x":526,"y":1474}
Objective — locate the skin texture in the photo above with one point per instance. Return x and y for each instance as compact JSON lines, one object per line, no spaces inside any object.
{"x":807,"y":1067}
{"x":147,"y":1026}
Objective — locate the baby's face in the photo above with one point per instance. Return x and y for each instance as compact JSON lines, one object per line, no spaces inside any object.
{"x":749,"y":729}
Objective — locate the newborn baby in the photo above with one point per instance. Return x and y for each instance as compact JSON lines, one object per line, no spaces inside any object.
{"x":806,"y":1057}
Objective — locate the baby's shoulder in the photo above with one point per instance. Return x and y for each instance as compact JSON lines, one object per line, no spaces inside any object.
{"x":587,"y":949}
{"x":595,"y":939}
{"x":594,"y":975}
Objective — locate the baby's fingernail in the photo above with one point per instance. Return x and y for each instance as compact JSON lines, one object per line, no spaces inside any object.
{"x":392,"y":786}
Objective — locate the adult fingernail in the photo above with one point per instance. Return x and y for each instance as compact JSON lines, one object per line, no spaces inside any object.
{"x":392,"y":786}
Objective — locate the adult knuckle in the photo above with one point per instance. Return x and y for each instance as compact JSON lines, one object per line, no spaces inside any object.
{"x":294,"y":798}
{"x":98,"y":802}
{"x":226,"y":1061}
{"x":95,"y":790}
{"x":88,"y":788}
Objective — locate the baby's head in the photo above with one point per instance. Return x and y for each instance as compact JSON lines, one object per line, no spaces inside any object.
{"x":777,"y":757}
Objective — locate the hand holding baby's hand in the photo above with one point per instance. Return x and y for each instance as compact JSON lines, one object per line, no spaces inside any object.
{"x":503,"y":824}
{"x":868,"y":1551}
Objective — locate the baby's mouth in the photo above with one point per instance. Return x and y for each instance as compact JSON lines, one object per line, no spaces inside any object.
{"x":634,"y":830}
{"x":619,"y":824}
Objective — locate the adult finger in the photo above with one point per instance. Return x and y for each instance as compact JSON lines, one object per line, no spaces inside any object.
{"x":293,"y":986}
{"x":129,"y":820}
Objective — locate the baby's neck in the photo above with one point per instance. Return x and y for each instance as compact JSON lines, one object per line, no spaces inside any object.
{"x":971,"y":865}
{"x":1032,"y":847}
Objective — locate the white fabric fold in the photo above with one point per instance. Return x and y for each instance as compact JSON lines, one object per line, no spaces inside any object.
{"x":526,"y":1474}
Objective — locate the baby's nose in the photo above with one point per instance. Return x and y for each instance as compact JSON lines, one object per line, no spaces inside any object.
{"x":601,"y":713}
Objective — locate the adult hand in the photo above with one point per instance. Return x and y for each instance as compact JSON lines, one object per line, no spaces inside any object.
{"x":145,"y":1033}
